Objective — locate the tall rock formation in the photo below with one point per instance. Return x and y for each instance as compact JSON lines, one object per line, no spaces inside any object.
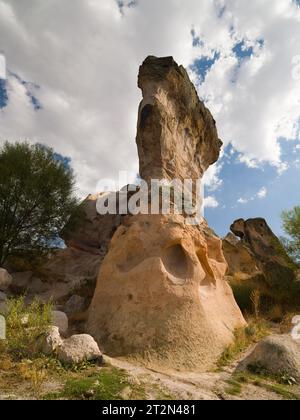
{"x":161,"y":296}
{"x":177,"y":136}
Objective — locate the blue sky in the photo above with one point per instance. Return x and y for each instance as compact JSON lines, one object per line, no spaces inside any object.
{"x":238,"y":195}
{"x":71,"y":84}
{"x":242,"y":183}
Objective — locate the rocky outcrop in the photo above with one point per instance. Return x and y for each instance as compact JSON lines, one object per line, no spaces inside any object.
{"x":71,"y":272}
{"x":92,"y":232}
{"x":161,"y":296}
{"x":276,"y":355}
{"x":243,"y":269}
{"x":241,"y":262}
{"x":68,"y":272}
{"x":177,"y":136}
{"x":255,"y":254}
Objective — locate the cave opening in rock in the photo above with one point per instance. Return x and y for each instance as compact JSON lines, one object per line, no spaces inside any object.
{"x":176,"y":261}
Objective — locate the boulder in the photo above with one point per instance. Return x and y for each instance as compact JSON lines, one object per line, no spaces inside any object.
{"x":52,"y":341}
{"x":5,"y":280}
{"x":21,"y":282}
{"x":60,"y":320}
{"x":79,"y":348}
{"x":277,"y":355}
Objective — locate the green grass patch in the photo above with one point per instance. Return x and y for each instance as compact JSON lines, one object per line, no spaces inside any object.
{"x":234,"y":388}
{"x":264,"y":381}
{"x":108,"y":384}
{"x":243,"y":338}
{"x":281,"y":390}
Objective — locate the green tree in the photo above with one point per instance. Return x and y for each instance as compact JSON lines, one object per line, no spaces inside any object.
{"x":36,"y":198}
{"x":291,"y":226}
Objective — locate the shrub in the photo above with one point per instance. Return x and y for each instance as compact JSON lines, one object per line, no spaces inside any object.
{"x":25,"y":325}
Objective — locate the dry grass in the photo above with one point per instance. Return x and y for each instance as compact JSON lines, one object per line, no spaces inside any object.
{"x":243,"y":338}
{"x":255,"y":300}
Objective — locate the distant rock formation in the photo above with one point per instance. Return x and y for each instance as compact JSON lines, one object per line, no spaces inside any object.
{"x":242,"y":264}
{"x":161,"y":296}
{"x":71,"y":273}
{"x":94,"y":232}
{"x":256,"y":255}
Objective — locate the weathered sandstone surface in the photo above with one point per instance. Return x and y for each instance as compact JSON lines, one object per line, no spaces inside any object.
{"x":161,"y":295}
{"x":68,"y":272}
{"x":177,"y":136}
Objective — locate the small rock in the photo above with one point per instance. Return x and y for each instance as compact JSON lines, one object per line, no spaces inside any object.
{"x":52,"y":341}
{"x":60,"y":320}
{"x":79,"y":348}
{"x":5,"y":280}
{"x":89,"y":393}
{"x":277,"y":354}
{"x":126,"y":393}
{"x":75,"y":304}
{"x":25,"y":320}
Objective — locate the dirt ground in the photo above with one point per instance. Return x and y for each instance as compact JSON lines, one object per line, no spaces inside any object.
{"x":143,"y":383}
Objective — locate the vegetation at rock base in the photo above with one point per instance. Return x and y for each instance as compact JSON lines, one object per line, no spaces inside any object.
{"x":291,"y":226}
{"x":25,"y":325}
{"x":243,"y":338}
{"x":273,"y":303}
{"x":107,"y":384}
{"x":36,"y":198}
{"x":274,"y":385}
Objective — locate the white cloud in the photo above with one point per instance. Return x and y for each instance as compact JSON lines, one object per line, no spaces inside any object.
{"x":2,"y":67}
{"x":243,"y":201}
{"x":210,"y":202}
{"x":211,"y":177}
{"x":85,"y":58}
{"x":262,"y":193}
